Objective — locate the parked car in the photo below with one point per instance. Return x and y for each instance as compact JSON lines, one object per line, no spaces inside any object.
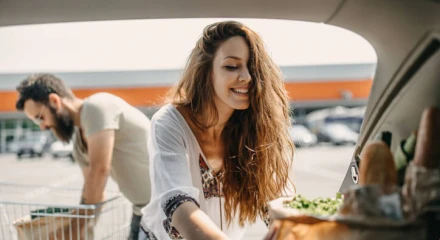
{"x":301,"y":136}
{"x":60,"y":149}
{"x":337,"y":134}
{"x":33,"y":145}
{"x":12,"y":147}
{"x":352,"y":117}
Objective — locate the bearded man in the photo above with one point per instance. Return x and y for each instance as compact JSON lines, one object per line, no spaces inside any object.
{"x":109,"y":137}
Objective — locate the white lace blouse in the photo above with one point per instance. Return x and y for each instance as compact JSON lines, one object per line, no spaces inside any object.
{"x":179,"y":173}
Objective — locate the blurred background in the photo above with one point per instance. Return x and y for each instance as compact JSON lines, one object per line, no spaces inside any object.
{"x":328,"y":74}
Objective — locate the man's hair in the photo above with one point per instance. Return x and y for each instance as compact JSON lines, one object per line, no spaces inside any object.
{"x":38,"y":87}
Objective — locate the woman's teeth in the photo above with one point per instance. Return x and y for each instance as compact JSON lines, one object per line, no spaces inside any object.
{"x":240,"y":90}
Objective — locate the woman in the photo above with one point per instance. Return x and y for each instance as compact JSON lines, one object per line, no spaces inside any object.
{"x":220,"y":150}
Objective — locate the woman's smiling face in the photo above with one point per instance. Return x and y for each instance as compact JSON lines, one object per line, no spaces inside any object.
{"x":230,"y":74}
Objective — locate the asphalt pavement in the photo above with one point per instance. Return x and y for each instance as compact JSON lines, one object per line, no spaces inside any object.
{"x":318,"y":172}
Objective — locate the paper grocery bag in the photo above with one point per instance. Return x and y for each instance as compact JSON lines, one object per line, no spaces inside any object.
{"x":54,"y":228}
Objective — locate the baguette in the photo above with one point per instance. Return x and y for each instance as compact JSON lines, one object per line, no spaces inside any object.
{"x":428,"y":139}
{"x":377,"y":165}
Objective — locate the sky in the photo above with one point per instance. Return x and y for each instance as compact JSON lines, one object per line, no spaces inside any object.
{"x":165,"y":44}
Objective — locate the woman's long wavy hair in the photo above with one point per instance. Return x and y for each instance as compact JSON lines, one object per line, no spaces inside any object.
{"x":258,"y":150}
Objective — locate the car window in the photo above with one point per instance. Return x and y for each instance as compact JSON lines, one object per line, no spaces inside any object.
{"x":325,"y":68}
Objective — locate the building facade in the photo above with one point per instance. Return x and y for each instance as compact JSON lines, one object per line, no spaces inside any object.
{"x":309,"y":88}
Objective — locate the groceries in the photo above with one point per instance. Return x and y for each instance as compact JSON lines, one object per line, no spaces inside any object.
{"x":398,"y":195}
{"x":428,"y":143}
{"x":403,"y":155}
{"x":421,"y":191}
{"x":377,"y":166}
{"x":318,"y":206}
{"x":46,"y":211}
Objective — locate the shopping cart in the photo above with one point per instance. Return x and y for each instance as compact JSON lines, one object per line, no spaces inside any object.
{"x":31,"y":212}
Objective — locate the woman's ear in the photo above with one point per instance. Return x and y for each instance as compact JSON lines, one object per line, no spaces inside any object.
{"x":55,"y":100}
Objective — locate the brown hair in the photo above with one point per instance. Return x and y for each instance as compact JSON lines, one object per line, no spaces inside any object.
{"x":258,"y":150}
{"x":38,"y":87}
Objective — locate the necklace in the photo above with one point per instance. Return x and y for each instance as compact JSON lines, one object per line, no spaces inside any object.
{"x":217,"y":178}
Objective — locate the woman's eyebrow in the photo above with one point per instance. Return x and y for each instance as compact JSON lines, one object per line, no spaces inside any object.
{"x":233,"y":57}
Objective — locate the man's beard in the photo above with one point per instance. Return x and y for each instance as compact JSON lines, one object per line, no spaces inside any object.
{"x":64,"y":126}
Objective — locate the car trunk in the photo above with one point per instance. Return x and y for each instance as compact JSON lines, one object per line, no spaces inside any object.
{"x":415,"y":87}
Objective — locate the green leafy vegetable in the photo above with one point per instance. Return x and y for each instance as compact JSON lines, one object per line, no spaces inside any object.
{"x":319,"y":206}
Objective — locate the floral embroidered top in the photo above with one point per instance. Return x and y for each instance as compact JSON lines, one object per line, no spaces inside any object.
{"x":179,"y":173}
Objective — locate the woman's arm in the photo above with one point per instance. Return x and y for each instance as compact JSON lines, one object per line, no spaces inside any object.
{"x":193,"y":223}
{"x":174,"y":194}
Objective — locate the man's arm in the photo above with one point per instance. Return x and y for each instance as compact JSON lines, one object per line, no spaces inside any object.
{"x":85,"y":171}
{"x":100,"y":149}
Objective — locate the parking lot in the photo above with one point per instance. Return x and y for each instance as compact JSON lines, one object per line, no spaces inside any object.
{"x":317,"y":171}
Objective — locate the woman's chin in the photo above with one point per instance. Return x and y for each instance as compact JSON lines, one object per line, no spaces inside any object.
{"x":241,"y":106}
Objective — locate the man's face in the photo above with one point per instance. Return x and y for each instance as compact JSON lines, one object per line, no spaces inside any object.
{"x":48,"y":117}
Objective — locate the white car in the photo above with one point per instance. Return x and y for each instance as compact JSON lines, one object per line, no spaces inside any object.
{"x":301,"y":136}
{"x":60,"y":149}
{"x":337,"y":134}
{"x":32,"y":145}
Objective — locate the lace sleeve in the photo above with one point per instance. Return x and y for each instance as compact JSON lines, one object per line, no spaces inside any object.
{"x":266,"y":218}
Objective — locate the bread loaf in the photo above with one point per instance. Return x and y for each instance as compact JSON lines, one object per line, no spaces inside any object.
{"x":290,"y":230}
{"x":377,"y":165}
{"x":428,"y":139}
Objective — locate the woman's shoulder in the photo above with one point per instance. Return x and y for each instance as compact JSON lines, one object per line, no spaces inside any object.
{"x":170,"y":118}
{"x":165,"y":113}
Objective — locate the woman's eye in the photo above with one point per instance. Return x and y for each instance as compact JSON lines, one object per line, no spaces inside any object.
{"x":231,"y":68}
